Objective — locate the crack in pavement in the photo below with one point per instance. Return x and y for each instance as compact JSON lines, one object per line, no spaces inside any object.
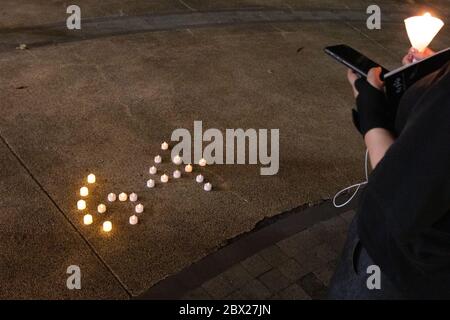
{"x":92,"y":28}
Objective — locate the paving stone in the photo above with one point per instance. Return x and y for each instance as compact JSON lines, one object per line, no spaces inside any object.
{"x":236,"y":295}
{"x":197,"y":294}
{"x":325,"y":252}
{"x":254,"y":290}
{"x":337,"y":241}
{"x":293,"y":292}
{"x":274,"y":280}
{"x":218,"y":287}
{"x":324,"y":274}
{"x":256,"y":265}
{"x":292,"y":270}
{"x":310,"y":262}
{"x":336,"y":224}
{"x":273,"y":255}
{"x":313,"y":286}
{"x":237,"y":276}
{"x":348,"y":216}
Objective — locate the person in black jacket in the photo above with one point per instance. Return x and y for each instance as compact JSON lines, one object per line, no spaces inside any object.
{"x":401,"y":230}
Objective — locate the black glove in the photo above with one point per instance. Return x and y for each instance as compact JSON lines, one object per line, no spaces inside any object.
{"x":373,"y":109}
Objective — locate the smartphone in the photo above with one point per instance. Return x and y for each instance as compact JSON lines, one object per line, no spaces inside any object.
{"x":353,"y":59}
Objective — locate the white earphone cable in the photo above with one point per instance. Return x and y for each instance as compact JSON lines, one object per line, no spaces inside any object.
{"x":357,"y":185}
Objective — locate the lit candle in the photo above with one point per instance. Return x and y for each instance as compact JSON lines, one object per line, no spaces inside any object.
{"x":151,"y":183}
{"x":422,"y":29}
{"x":188,"y":168}
{"x":152,"y":170}
{"x":81,"y":204}
{"x":177,"y":160}
{"x":202,"y":162}
{"x":84,"y":192}
{"x":199,"y":178}
{"x":107,"y":226}
{"x":87,"y":219}
{"x":133,"y":197}
{"x":101,"y":208}
{"x":164,"y":178}
{"x":177,"y":174}
{"x":123,"y":197}
{"x":112,"y":197}
{"x":158,"y":159}
{"x":207,"y":186}
{"x":91,"y":178}
{"x":133,"y":219}
{"x":164,"y":146}
{"x":139,"y":208}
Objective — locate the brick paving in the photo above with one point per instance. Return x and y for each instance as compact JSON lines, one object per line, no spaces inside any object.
{"x":296,"y":268}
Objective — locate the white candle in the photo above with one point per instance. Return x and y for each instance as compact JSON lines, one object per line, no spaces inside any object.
{"x":207,"y":186}
{"x":177,"y":174}
{"x":123,"y":196}
{"x":151,"y":183}
{"x":81,"y":204}
{"x":188,"y":168}
{"x":158,"y":159}
{"x":84,"y":192}
{"x":87,"y":219}
{"x":107,"y":226}
{"x":101,"y":208}
{"x":112,"y":197}
{"x":164,"y":178}
{"x":164,"y":146}
{"x":139,"y":208}
{"x":152,"y":170}
{"x":199,"y":178}
{"x":177,"y":160}
{"x":91,"y":178}
{"x":133,"y":219}
{"x":202,"y":162}
{"x":133,"y":197}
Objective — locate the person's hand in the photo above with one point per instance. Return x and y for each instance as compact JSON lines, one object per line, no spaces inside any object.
{"x":414,"y":55}
{"x":373,"y":77}
{"x":372,"y":108}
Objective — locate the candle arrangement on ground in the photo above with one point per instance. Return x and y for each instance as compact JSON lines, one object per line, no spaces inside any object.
{"x":123,"y":197}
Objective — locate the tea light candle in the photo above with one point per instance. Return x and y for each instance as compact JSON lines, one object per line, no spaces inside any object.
{"x":207,"y":186}
{"x":101,"y":208}
{"x":123,"y":196}
{"x":134,"y":219}
{"x":139,"y":208}
{"x":107,"y":226}
{"x":91,"y":178}
{"x":112,"y":197}
{"x":199,"y":178}
{"x":177,"y":160}
{"x":202,"y":162}
{"x":151,"y":183}
{"x":152,"y":170}
{"x":81,"y":204}
{"x":84,"y":192}
{"x":177,"y":174}
{"x":164,"y":178}
{"x":87,"y":219}
{"x":164,"y":146}
{"x":188,"y":168}
{"x":133,"y":197}
{"x":158,"y":159}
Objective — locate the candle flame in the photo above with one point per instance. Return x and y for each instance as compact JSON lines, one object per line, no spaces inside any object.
{"x":422,"y":30}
